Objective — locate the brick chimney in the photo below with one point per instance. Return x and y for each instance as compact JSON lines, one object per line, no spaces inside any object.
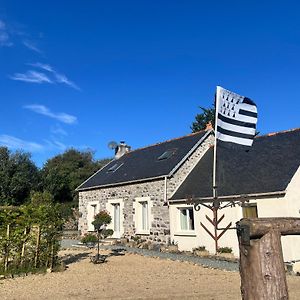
{"x":209,"y":126}
{"x":121,"y":149}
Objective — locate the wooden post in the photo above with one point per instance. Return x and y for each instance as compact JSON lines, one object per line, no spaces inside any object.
{"x":37,"y":249}
{"x":24,"y":246}
{"x":261,"y":261}
{"x":6,"y":258}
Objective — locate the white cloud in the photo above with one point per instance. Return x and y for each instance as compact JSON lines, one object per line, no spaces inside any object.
{"x":31,"y":76}
{"x":4,"y":36}
{"x":61,"y":78}
{"x":30,"y":45}
{"x":58,"y":77}
{"x":42,"y":66}
{"x":43,"y":110}
{"x":54,"y":144}
{"x":14,"y":143}
{"x":57,"y":130}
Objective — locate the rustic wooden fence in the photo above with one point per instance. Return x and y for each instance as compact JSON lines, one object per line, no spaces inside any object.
{"x":29,"y":238}
{"x":261,"y":261}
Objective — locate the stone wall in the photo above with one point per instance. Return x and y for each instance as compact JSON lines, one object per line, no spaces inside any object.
{"x":155,"y":189}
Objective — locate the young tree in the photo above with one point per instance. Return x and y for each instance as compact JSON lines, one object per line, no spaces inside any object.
{"x":101,"y":220}
{"x":201,"y":120}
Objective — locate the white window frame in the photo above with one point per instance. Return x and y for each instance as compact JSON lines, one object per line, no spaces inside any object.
{"x":189,"y":230}
{"x":93,"y":209}
{"x":140,"y":217}
{"x":110,"y":207}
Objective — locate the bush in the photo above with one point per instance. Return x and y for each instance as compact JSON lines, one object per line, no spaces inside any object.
{"x":89,"y":238}
{"x":224,"y":250}
{"x":199,"y":248}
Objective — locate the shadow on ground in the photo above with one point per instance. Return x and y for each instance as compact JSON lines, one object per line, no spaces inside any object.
{"x":72,"y":258}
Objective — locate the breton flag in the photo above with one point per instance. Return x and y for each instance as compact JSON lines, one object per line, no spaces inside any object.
{"x":236,"y":118}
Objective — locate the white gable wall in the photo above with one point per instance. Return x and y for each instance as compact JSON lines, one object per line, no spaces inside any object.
{"x":287,"y":206}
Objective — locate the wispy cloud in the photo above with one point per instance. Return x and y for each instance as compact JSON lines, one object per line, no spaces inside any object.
{"x":32,"y":46}
{"x":43,"y":110}
{"x":4,"y":35}
{"x":14,"y":143}
{"x":56,"y":76}
{"x":54,"y":144}
{"x":31,"y":76}
{"x":45,"y":67}
{"x":57,"y":130}
{"x":59,"y":78}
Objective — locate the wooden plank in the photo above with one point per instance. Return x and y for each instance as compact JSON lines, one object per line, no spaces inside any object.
{"x":261,"y":226}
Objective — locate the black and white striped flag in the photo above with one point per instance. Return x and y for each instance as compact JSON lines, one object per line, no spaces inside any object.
{"x":236,"y":118}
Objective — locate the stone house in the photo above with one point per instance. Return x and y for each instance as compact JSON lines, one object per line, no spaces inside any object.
{"x":135,"y":187}
{"x":145,"y":190}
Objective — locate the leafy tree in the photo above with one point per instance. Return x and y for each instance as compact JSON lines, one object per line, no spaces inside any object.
{"x":40,"y":198}
{"x":201,"y":120}
{"x":18,"y":176}
{"x":64,"y":172}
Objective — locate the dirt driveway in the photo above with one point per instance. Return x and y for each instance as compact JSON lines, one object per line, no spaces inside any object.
{"x":130,"y":277}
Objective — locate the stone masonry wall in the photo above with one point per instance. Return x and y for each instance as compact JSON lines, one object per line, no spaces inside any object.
{"x":160,"y":225}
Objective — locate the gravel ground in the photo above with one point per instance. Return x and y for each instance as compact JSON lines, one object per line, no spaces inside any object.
{"x":129,"y":277}
{"x":203,"y":261}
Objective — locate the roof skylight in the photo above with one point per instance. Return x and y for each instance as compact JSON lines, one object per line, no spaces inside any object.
{"x":114,"y":167}
{"x":167,"y":154}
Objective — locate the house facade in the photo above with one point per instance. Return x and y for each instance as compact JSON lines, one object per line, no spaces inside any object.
{"x":146,"y":190}
{"x":135,"y":188}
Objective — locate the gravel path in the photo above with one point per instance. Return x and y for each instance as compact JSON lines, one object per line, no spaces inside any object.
{"x":202,"y":261}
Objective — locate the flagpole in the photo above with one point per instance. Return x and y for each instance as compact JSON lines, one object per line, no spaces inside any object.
{"x":215,"y":188}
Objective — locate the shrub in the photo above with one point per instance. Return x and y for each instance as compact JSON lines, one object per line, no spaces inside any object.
{"x":199,"y":248}
{"x":89,"y":238}
{"x":101,"y":219}
{"x":224,"y":250}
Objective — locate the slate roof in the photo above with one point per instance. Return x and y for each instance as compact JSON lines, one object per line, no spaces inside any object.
{"x":268,"y":167}
{"x":142,"y":164}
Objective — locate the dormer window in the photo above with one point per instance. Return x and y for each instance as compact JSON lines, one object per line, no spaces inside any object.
{"x":167,"y":154}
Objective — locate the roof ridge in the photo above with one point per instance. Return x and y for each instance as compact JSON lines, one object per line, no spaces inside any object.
{"x":167,"y":141}
{"x":278,"y":132}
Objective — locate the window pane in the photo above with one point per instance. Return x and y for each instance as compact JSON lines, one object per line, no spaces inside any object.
{"x":191,"y":219}
{"x":145,"y":225}
{"x":250,"y":211}
{"x":183,"y":219}
{"x":117,"y":217}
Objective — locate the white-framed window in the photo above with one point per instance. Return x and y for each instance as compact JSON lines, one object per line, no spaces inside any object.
{"x":115,"y":209}
{"x":187,"y":222}
{"x":93,"y":209}
{"x":142,"y":215}
{"x":145,"y":215}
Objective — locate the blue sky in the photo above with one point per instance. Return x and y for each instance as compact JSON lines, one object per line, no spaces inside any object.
{"x":82,"y":73}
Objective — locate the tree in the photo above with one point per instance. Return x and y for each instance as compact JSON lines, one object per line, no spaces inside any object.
{"x":18,"y":176}
{"x":201,"y":120}
{"x":64,"y":172}
{"x":101,"y":220}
